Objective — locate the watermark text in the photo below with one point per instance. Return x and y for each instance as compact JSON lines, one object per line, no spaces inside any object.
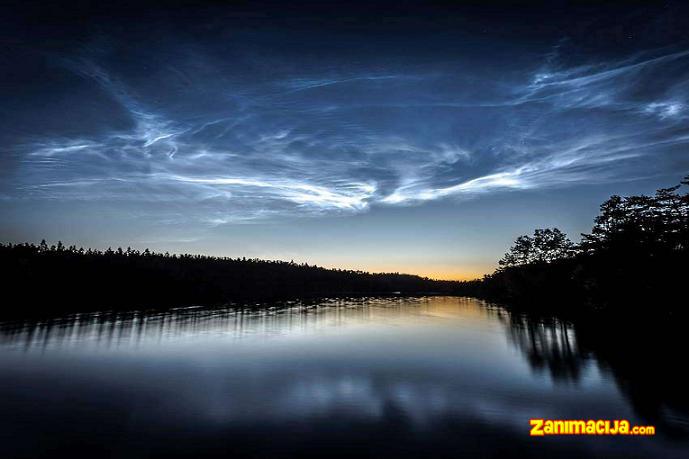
{"x":543,"y":427}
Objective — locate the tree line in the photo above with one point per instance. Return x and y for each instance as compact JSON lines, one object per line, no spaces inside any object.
{"x":41,"y":279}
{"x":635,"y":259}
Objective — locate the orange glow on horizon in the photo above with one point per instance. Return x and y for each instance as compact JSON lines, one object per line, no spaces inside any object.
{"x":443,"y":272}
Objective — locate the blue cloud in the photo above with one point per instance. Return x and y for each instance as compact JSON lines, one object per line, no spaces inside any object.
{"x":317,"y":141}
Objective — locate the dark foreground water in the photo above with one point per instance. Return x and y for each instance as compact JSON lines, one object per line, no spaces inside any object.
{"x":430,"y":377}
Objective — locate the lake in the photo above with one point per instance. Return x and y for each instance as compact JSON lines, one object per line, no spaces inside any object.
{"x":377,"y":377}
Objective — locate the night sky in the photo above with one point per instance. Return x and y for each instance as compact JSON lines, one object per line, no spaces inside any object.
{"x":399,"y":136}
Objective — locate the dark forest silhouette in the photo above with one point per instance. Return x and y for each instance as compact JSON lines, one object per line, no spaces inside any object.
{"x":636,"y":254}
{"x":42,"y":279}
{"x":636,"y":259}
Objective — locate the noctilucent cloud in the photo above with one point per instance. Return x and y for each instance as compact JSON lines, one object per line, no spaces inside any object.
{"x":395,"y":137}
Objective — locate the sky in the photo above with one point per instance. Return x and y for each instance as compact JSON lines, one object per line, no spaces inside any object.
{"x":382,"y":136}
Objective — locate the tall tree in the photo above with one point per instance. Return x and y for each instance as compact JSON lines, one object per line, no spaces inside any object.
{"x":545,"y":246}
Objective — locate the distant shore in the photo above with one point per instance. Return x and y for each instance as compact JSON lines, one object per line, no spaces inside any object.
{"x":44,"y":279}
{"x":634,"y":262}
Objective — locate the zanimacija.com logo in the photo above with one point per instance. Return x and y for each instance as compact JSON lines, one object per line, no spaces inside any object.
{"x":542,"y":427}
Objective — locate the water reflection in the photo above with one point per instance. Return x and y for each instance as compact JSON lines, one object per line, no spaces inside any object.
{"x":367,"y":377}
{"x":549,"y":345}
{"x":117,"y":329}
{"x":647,"y":361}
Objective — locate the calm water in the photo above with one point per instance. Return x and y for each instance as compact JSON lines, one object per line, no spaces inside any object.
{"x":443,"y":377}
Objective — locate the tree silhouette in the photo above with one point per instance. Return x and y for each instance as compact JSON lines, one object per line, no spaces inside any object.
{"x":546,"y":246}
{"x":636,"y":253}
{"x":648,"y":224}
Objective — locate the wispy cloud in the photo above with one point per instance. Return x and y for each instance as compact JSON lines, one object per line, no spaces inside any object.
{"x":247,"y":151}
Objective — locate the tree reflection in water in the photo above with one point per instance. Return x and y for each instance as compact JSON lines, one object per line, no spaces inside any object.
{"x":117,"y":328}
{"x":548,"y":345}
{"x":646,"y":360}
